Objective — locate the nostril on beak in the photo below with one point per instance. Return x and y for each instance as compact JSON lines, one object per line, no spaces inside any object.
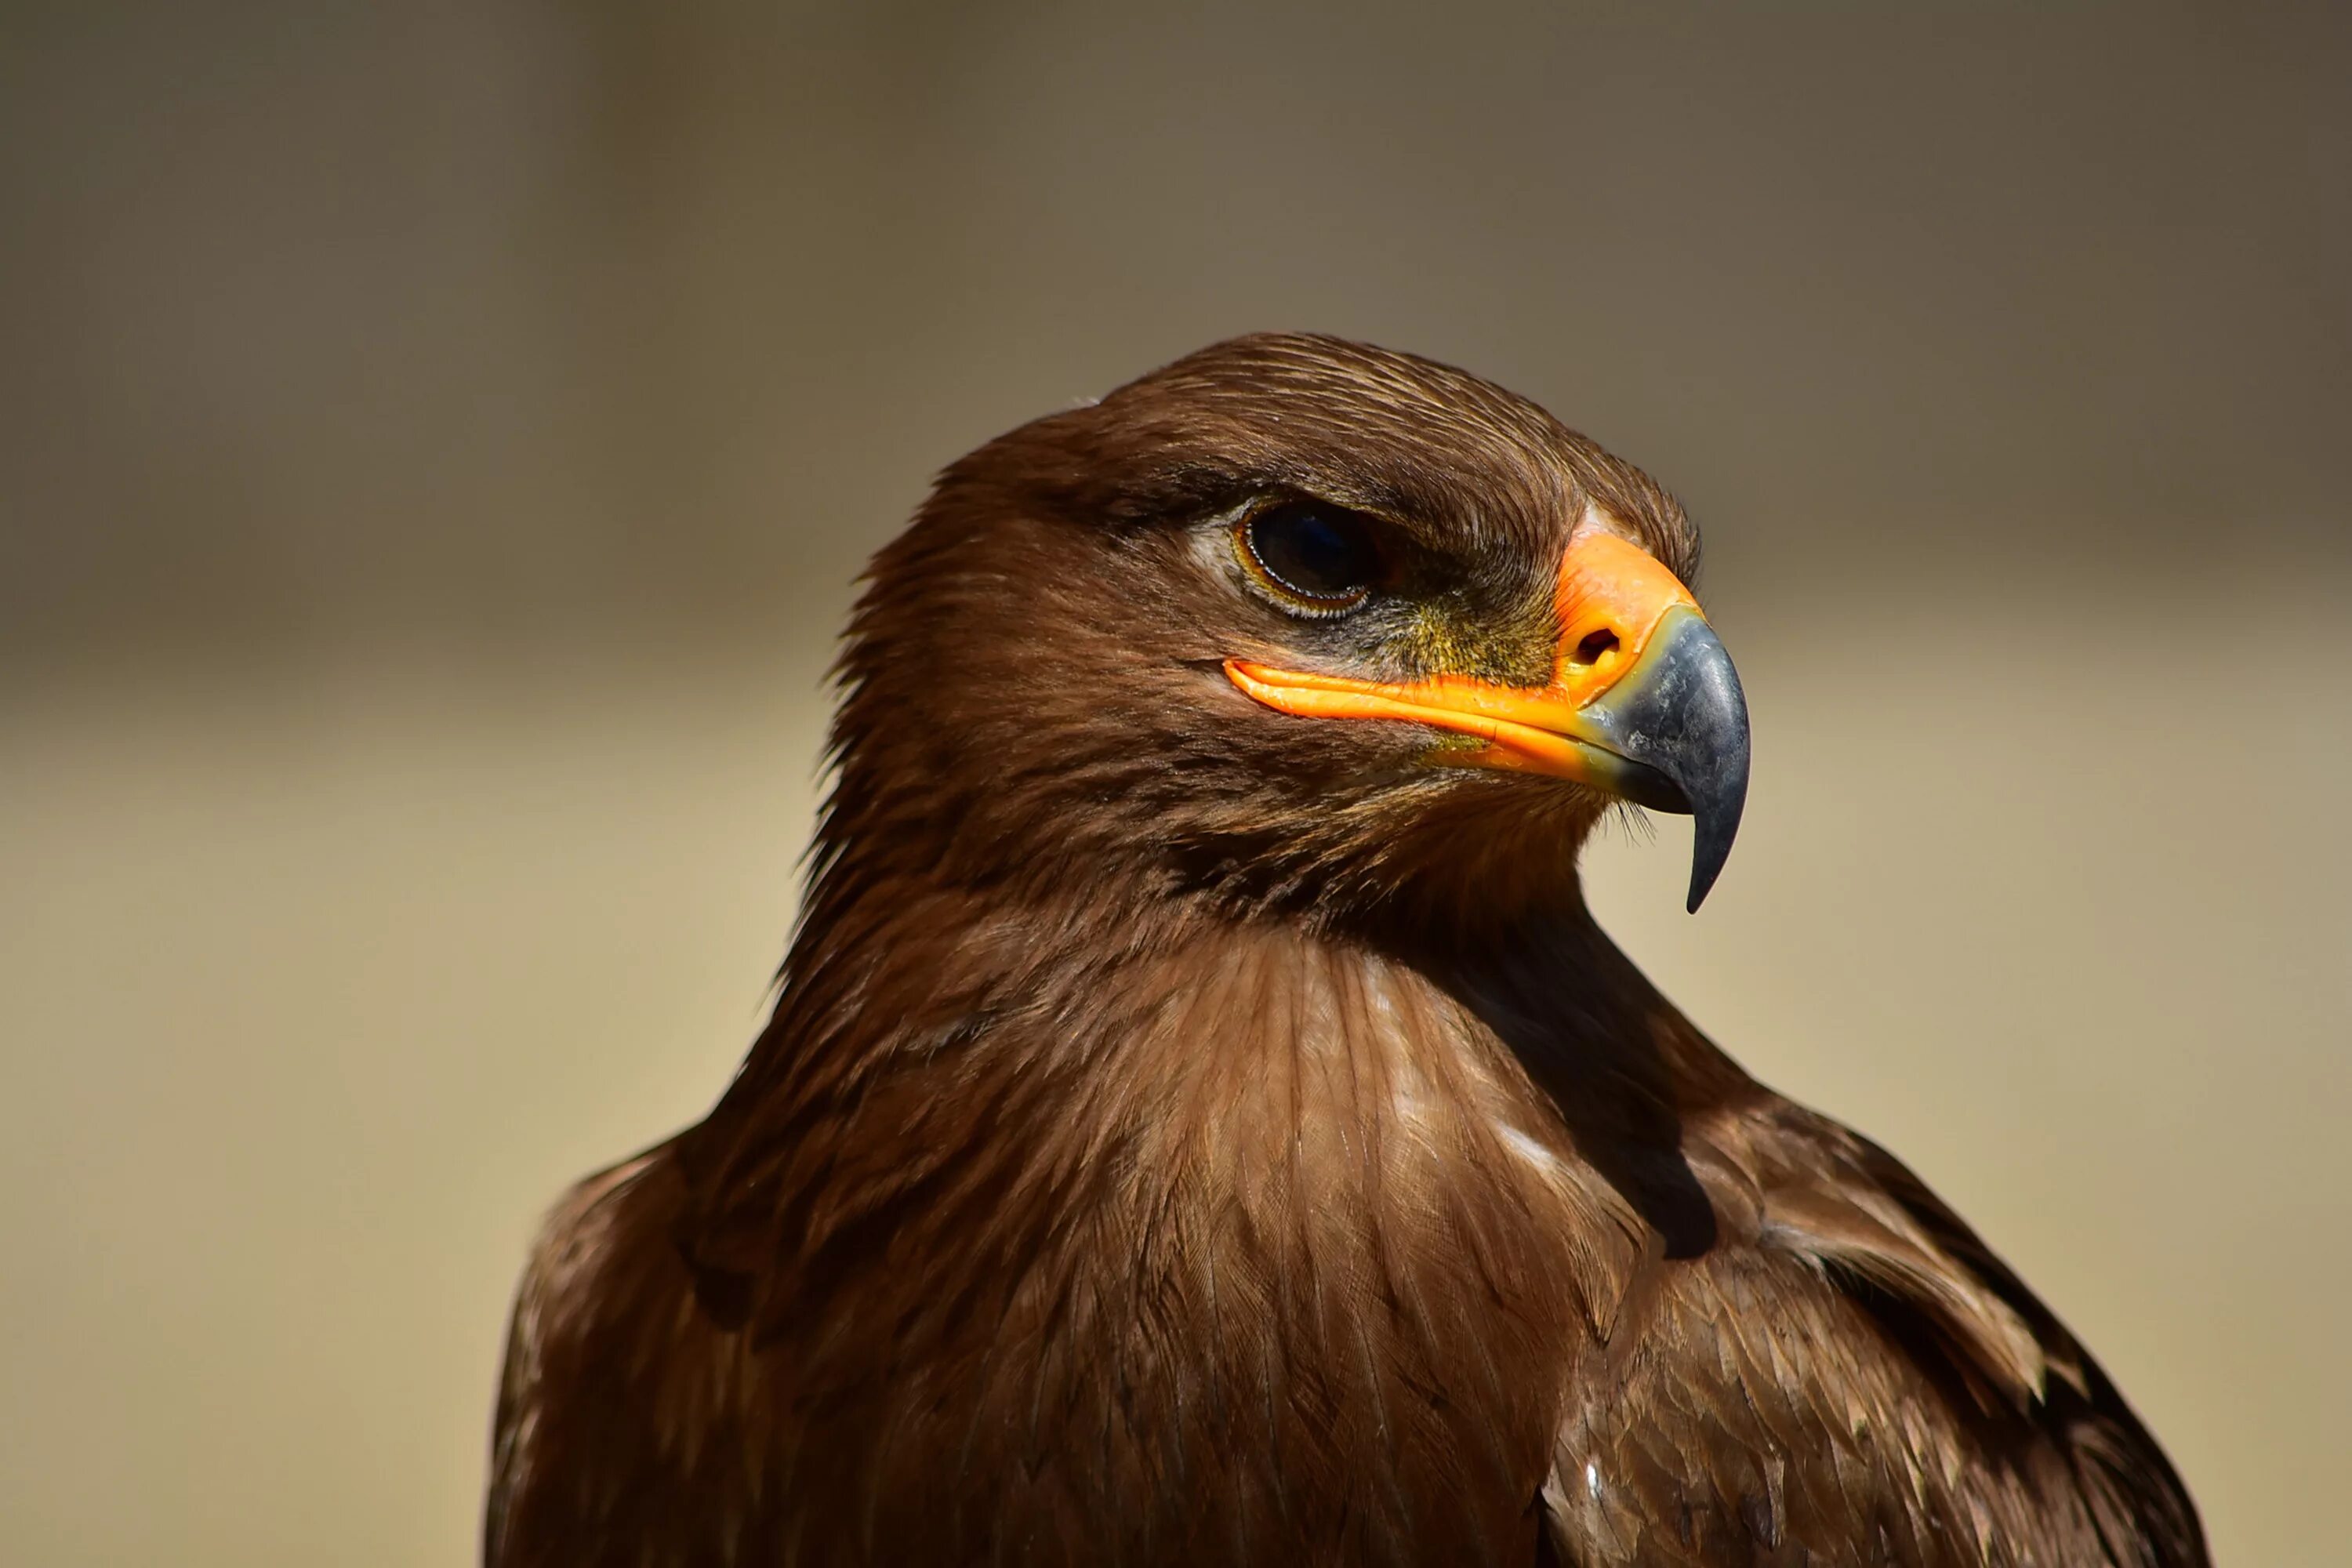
{"x":1595,"y":645}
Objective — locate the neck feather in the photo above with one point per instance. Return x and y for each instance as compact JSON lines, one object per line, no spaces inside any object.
{"x":993,"y":1142}
{"x":1001,"y":1064}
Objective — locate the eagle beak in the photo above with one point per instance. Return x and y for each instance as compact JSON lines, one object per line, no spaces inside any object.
{"x":1643,"y":703}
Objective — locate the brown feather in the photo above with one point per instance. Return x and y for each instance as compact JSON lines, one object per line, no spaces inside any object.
{"x":1190,"y":1134}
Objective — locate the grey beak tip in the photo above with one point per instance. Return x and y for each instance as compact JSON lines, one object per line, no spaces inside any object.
{"x":1710,"y":848}
{"x":1718,"y":796}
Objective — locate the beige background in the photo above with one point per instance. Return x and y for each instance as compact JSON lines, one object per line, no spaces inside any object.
{"x":435,"y":445}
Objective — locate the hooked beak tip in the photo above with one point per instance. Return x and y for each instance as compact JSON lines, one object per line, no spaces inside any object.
{"x":1710,"y":848}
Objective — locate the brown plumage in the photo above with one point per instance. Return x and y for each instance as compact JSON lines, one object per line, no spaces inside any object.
{"x":1188,"y":1131}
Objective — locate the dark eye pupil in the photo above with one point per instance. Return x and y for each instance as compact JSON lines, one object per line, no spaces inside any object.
{"x":1317,"y":553}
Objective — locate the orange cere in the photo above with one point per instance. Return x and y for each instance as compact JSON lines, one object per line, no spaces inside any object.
{"x":1609,"y":588}
{"x":1611,"y":596}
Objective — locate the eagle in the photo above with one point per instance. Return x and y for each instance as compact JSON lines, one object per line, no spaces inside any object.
{"x":1200,"y":1121}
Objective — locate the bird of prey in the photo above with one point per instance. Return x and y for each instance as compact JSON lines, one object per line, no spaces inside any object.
{"x":1200,"y":1121}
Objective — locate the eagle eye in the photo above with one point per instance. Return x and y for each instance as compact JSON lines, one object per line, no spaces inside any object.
{"x":1315,"y":558}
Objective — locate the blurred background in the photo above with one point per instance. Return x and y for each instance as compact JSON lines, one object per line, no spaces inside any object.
{"x":436,"y":442}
